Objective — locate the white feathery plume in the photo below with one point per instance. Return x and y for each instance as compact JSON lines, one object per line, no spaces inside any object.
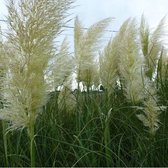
{"x":86,"y":46}
{"x":130,"y":62}
{"x":63,"y":65}
{"x":151,"y":45}
{"x":150,"y":115}
{"x":109,"y":65}
{"x":33,"y":26}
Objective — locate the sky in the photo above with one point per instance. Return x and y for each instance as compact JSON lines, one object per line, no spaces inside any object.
{"x":92,"y":11}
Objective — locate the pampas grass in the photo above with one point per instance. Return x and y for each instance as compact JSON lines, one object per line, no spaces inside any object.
{"x":109,"y":65}
{"x":86,"y":45}
{"x":33,"y":25}
{"x":150,"y":117}
{"x":63,"y":65}
{"x":130,"y":62}
{"x":151,"y":44}
{"x":123,"y":124}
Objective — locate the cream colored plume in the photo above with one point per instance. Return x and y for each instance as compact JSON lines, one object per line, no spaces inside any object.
{"x":109,"y":65}
{"x":63,"y":66}
{"x":151,"y":45}
{"x":86,"y":44}
{"x":33,"y":26}
{"x":150,"y":116}
{"x":130,"y":62}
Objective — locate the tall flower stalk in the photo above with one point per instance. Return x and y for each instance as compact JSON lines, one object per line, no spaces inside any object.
{"x":2,"y":78}
{"x":63,"y":65}
{"x":86,"y":45}
{"x":33,"y":26}
{"x":109,"y":65}
{"x":150,"y":115}
{"x":130,"y":62}
{"x":151,"y":45}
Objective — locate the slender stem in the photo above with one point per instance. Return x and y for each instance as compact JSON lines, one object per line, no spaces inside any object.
{"x":5,"y":143}
{"x":108,"y":154}
{"x":32,"y":143}
{"x":78,"y":110}
{"x":32,"y":148}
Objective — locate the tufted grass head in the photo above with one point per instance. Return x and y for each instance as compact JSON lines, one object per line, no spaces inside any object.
{"x":86,"y":45}
{"x":151,"y":45}
{"x":33,"y":26}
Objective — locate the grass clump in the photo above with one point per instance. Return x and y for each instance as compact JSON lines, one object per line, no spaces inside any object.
{"x":122,"y":124}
